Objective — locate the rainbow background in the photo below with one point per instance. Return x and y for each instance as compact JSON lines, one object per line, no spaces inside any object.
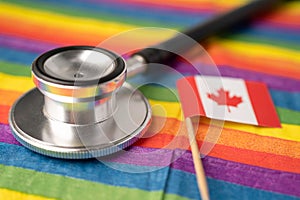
{"x":247,"y":162}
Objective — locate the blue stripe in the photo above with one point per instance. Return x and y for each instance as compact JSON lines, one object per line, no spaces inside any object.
{"x":224,"y":190}
{"x":167,"y":179}
{"x":92,"y":169}
{"x":288,"y":100}
{"x":17,"y":56}
{"x":270,"y":33}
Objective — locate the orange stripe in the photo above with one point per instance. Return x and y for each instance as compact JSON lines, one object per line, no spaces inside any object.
{"x":245,"y":140}
{"x":229,"y":137}
{"x":226,"y":57}
{"x":261,"y":159}
{"x":8,"y":97}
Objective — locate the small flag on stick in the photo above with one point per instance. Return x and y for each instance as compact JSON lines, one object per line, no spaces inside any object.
{"x":229,"y":99}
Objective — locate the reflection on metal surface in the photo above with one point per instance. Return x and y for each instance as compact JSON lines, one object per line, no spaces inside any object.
{"x":55,"y":138}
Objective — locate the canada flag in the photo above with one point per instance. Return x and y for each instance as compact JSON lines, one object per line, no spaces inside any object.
{"x":229,"y":99}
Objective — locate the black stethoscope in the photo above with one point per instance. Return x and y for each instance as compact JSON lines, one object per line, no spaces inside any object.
{"x":82,"y":107}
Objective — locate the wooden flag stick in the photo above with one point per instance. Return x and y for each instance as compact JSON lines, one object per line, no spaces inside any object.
{"x":200,"y":174}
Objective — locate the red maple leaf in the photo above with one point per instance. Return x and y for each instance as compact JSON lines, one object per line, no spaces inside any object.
{"x":223,"y":98}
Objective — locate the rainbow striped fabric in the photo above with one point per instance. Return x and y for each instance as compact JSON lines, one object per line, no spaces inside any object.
{"x":247,"y":162}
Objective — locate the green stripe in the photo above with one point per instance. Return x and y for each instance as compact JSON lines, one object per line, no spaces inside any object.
{"x":60,"y":187}
{"x":15,"y":69}
{"x":66,"y":10}
{"x":160,"y":93}
{"x":288,"y":116}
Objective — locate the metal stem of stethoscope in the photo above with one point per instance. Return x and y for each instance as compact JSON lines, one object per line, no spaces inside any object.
{"x":82,"y":107}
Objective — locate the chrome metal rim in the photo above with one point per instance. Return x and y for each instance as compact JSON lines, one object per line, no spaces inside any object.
{"x":63,"y":140}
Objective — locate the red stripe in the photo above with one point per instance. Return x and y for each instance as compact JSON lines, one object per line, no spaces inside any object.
{"x":4,"y":110}
{"x":261,"y":159}
{"x":245,"y":156}
{"x":226,"y":56}
{"x":262,"y":104}
{"x":189,"y":97}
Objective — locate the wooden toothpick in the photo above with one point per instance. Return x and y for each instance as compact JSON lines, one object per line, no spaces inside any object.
{"x":200,"y":174}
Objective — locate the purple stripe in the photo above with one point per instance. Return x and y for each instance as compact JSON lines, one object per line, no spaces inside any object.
{"x":6,"y":135}
{"x":274,"y":82}
{"x":25,"y":44}
{"x":252,"y":176}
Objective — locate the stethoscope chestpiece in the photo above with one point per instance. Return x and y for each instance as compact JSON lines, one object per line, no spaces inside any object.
{"x":81,"y":106}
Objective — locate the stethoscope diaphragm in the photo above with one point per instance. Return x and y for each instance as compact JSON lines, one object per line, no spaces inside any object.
{"x":81,"y":107}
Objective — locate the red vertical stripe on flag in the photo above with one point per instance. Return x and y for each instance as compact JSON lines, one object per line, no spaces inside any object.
{"x":189,"y":97}
{"x":262,"y":104}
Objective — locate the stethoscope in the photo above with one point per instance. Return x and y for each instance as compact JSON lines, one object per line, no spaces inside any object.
{"x":82,"y":107}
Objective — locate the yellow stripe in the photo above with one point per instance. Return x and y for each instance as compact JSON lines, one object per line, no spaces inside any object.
{"x":228,"y":3}
{"x":169,"y":110}
{"x":286,"y":132}
{"x":15,"y":83}
{"x":14,"y":195}
{"x":76,"y":24}
{"x":173,"y":110}
{"x":57,"y":20}
{"x":261,"y":51}
{"x":166,"y":109}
